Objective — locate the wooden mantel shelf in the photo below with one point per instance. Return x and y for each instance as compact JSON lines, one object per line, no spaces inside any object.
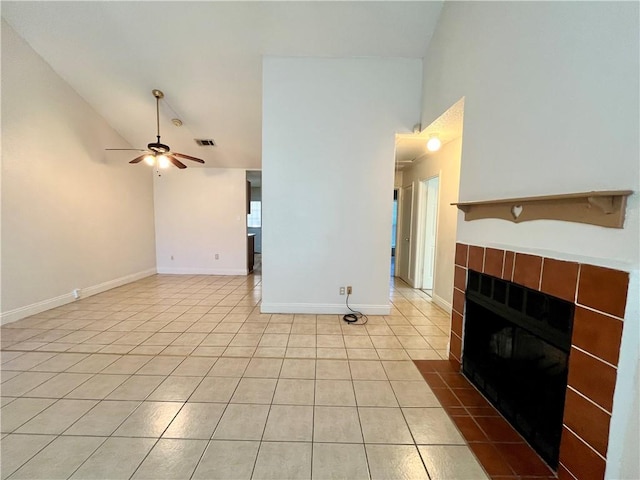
{"x":605,"y":208}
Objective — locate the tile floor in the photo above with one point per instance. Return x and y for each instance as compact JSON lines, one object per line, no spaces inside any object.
{"x":182,"y":377}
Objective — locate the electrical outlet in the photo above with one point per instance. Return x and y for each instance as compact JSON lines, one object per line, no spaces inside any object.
{"x":349,"y":290}
{"x":341,"y":290}
{"x":217,"y":256}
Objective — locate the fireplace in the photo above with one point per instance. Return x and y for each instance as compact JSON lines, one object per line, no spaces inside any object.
{"x":598,"y":297}
{"x":516,"y":353}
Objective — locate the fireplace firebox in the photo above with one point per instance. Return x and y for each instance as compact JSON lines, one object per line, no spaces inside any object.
{"x":516,"y":352}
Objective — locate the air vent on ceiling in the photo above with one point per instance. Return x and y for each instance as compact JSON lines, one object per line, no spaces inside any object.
{"x":205,"y":142}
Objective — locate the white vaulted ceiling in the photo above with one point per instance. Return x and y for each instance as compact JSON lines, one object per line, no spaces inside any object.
{"x":206,"y":57}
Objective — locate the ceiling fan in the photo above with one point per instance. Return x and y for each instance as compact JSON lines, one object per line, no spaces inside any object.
{"x":158,"y":153}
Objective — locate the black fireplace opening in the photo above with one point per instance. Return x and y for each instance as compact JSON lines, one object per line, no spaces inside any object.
{"x":516,"y":352}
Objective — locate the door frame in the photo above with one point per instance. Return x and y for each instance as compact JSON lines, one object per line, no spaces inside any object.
{"x":421,"y":231}
{"x":400,"y":245}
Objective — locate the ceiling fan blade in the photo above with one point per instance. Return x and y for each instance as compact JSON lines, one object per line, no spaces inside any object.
{"x":127,"y":149}
{"x":138,"y":159}
{"x":188,"y":157}
{"x":176,"y":162}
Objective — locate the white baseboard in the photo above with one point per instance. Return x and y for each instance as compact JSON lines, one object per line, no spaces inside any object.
{"x":323,"y":308}
{"x":203,"y":271}
{"x":38,"y":307}
{"x":442,"y":303}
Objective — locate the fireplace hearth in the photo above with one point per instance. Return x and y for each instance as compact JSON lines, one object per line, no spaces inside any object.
{"x":516,"y":352}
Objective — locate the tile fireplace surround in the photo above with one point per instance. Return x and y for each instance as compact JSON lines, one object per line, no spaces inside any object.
{"x":599,"y":295}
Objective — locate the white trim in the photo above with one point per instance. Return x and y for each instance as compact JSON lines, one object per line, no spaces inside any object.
{"x":442,"y":303}
{"x":203,"y":271}
{"x":38,"y":307}
{"x":323,"y":308}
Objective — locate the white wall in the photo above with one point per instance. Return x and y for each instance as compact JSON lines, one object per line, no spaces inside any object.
{"x":201,"y":212}
{"x":328,"y":173}
{"x":72,"y":216}
{"x":444,"y":163}
{"x":551,"y":106}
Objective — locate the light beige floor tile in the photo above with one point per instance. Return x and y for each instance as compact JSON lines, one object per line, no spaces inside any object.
{"x":298,"y":368}
{"x":335,"y":392}
{"x":294,"y":391}
{"x":289,"y":423}
{"x":59,"y":385}
{"x":94,"y":363}
{"x":367,"y":370}
{"x":414,"y":394}
{"x":117,"y":349}
{"x":374,"y":393}
{"x":336,"y":424}
{"x":161,"y":338}
{"x":400,"y":462}
{"x":175,"y":389}
{"x":195,"y":366}
{"x":255,"y":390}
{"x":282,"y":460}
{"x":103,"y":419}
{"x":333,"y":370}
{"x":357,"y":341}
{"x":115,"y":459}
{"x":227,"y":327}
{"x":58,"y":417}
{"x":217,"y":340}
{"x":149,"y":420}
{"x":196,"y":421}
{"x":59,"y":363}
{"x":401,"y":370}
{"x":162,"y":365}
{"x":253,"y":328}
{"x":337,"y":353}
{"x":191,"y":339}
{"x":263,"y":367}
{"x":278,"y":328}
{"x":302,"y":340}
{"x":98,"y":387}
{"x":239,"y":352}
{"x":21,"y":384}
{"x":8,"y":375}
{"x":330,"y":341}
{"x":378,"y":330}
{"x":423,"y":354}
{"x":171,"y":459}
{"x":215,"y":389}
{"x":59,"y":459}
{"x":227,"y":460}
{"x":333,"y":461}
{"x":17,"y":449}
{"x":147,"y":350}
{"x":242,"y":422}
{"x":414,"y":342}
{"x":208,"y":351}
{"x":299,"y":328}
{"x":449,"y":461}
{"x":128,"y":364}
{"x":362,"y":354}
{"x":384,"y":425}
{"x":229,"y":367}
{"x":386,"y":342}
{"x":137,"y":387}
{"x":245,"y":340}
{"x":300,"y":352}
{"x":274,"y":339}
{"x":392,"y":354}
{"x":20,"y":411}
{"x":432,"y":426}
{"x":270,"y":352}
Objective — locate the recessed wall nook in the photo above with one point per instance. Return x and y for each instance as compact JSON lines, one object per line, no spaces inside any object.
{"x":598,"y":297}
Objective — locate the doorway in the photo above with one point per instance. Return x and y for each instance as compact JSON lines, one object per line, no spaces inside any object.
{"x":404,"y":242}
{"x":394,"y":231}
{"x":429,"y":190}
{"x":254,"y":221}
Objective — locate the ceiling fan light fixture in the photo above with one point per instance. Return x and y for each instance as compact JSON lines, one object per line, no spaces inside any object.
{"x":434,"y":143}
{"x":163,"y":161}
{"x":150,"y":160}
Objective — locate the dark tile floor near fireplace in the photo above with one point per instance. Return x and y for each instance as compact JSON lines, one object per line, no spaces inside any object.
{"x":500,"y":449}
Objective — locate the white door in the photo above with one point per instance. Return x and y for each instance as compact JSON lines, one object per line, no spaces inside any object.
{"x":430,"y":209}
{"x":404,"y":240}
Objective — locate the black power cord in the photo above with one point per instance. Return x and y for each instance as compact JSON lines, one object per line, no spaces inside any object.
{"x":353,"y":317}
